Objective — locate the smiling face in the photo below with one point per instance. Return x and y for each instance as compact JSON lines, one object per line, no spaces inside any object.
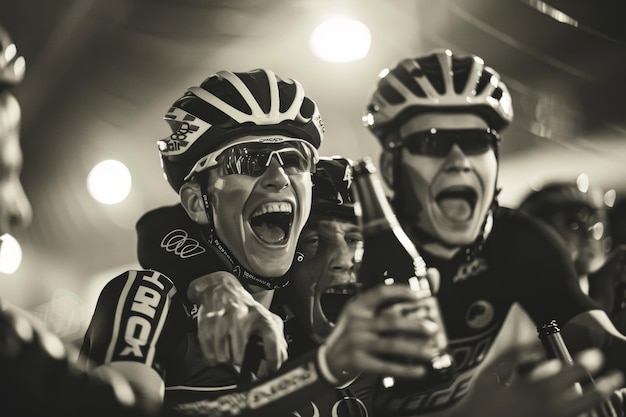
{"x":260,"y":218}
{"x":324,"y":279}
{"x":453,"y":192}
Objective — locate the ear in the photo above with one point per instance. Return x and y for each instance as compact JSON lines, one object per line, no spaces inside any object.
{"x":191,"y":200}
{"x":386,"y":167}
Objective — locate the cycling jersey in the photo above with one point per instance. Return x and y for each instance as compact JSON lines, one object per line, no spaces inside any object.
{"x":145,"y":316}
{"x":521,"y":261}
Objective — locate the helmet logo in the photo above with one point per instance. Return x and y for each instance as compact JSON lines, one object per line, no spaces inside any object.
{"x":183,"y":130}
{"x":186,"y":129}
{"x":274,"y":139}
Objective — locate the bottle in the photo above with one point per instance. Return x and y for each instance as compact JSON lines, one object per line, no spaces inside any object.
{"x":555,"y":348}
{"x":390,"y":257}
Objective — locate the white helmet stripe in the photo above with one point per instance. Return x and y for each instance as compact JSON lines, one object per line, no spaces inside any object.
{"x":272,"y":117}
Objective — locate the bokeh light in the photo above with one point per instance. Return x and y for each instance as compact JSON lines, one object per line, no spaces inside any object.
{"x":340,"y":39}
{"x":10,"y":254}
{"x":109,"y":182}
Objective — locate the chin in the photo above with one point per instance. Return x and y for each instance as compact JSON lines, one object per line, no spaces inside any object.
{"x":274,"y":269}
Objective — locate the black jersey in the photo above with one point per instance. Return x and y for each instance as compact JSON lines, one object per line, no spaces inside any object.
{"x":521,"y":261}
{"x":145,"y":316}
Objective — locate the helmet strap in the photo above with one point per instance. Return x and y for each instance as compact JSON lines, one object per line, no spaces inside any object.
{"x":245,"y":277}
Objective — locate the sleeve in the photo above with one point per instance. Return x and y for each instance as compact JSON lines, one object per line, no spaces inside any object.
{"x":541,"y":273}
{"x":278,"y":395}
{"x":129,"y":319}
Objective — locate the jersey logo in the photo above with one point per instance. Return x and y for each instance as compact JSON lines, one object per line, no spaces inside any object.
{"x":179,"y":242}
{"x":140,"y":316}
{"x":471,"y":269}
{"x":479,"y":314}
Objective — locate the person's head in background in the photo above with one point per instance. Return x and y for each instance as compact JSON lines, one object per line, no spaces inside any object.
{"x":15,"y":210}
{"x":579,"y":216}
{"x":243,"y":147}
{"x":323,"y":276}
{"x":438,"y":118}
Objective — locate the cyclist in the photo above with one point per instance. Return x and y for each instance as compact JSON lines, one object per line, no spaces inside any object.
{"x":439,"y":118}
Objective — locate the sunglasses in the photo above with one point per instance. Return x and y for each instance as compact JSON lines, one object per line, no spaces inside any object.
{"x":439,"y":142}
{"x":252,"y":158}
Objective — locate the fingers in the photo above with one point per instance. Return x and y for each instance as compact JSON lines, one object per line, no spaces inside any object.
{"x":213,"y":337}
{"x":594,"y":396}
{"x":274,"y":343}
{"x":369,"y":302}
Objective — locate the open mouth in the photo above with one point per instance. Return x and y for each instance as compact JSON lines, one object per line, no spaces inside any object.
{"x":457,"y":203}
{"x":271,"y":222}
{"x":334,"y":298}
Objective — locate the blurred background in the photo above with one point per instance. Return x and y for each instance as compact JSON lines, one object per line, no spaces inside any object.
{"x":101,"y":74}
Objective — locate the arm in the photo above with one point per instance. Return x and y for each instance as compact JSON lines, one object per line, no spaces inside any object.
{"x":595,"y":329}
{"x":354,"y":346}
{"x":228,"y":315}
{"x":543,"y":391}
{"x":37,"y":377}
{"x":126,"y":333}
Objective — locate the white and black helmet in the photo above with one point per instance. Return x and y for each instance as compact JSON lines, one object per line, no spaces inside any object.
{"x":437,"y":82}
{"x":228,"y":105}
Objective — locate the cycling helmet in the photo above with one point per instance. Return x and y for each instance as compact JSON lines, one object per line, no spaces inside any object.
{"x":228,"y":105}
{"x":561,"y":196}
{"x":437,"y":82}
{"x":332,"y":194}
{"x":12,"y":66}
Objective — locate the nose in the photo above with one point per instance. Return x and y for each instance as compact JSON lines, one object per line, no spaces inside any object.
{"x":275,"y":176}
{"x":16,"y":211}
{"x":342,"y":259}
{"x":457,"y":161}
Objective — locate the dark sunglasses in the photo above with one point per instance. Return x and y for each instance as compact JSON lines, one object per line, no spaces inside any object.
{"x":253,"y":159}
{"x":439,"y":142}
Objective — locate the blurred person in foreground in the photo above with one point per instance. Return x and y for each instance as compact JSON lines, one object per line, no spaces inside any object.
{"x":37,"y":376}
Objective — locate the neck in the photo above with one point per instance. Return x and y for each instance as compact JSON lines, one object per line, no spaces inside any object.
{"x":430,"y":245}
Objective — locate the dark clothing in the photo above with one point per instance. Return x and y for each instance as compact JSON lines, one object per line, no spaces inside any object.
{"x":144,"y":316}
{"x":520,"y":262}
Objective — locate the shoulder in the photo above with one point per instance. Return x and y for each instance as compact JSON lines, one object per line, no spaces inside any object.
{"x":516,"y":225}
{"x":132,"y":279}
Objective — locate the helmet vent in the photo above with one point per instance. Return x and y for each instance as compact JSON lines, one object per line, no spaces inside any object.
{"x":286,"y":96}
{"x":432,"y":70}
{"x":407,"y":79}
{"x":258,"y":84}
{"x":461,"y":68}
{"x":483,"y":81}
{"x":192,"y":105}
{"x":308,"y":108}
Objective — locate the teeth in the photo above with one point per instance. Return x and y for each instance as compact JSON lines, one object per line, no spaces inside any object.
{"x":274,"y":207}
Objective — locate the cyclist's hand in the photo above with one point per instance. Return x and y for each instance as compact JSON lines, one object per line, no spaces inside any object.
{"x":228,"y":315}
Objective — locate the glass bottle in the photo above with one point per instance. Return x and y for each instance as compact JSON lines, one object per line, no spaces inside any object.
{"x":389,"y":256}
{"x":555,"y":348}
